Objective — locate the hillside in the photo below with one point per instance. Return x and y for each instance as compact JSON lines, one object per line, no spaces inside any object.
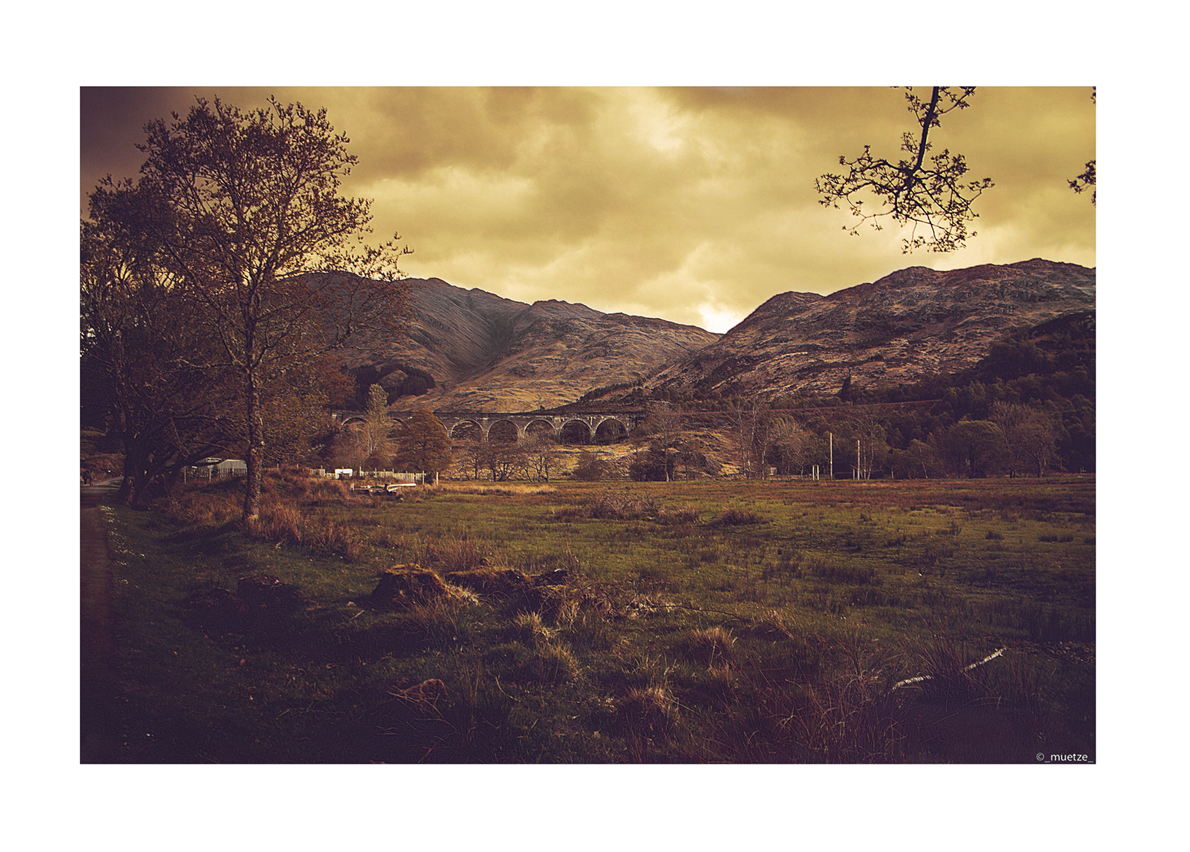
{"x":470,"y":349}
{"x":910,"y":324}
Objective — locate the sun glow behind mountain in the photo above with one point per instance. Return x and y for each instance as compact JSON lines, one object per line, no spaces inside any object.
{"x":718,"y":319}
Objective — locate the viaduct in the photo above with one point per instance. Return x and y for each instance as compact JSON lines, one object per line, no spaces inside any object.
{"x":580,"y":427}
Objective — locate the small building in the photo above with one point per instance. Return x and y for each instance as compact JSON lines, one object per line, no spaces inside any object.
{"x":215,"y":468}
{"x":231,"y":467}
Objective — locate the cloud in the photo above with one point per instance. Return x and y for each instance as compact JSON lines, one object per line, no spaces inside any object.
{"x":692,"y":204}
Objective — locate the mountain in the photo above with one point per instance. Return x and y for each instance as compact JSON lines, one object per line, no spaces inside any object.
{"x":912,"y":323}
{"x":473,"y":350}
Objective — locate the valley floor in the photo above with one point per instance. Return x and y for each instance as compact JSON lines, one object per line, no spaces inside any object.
{"x":607,"y":622}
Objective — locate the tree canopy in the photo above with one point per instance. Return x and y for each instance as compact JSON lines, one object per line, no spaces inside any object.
{"x":142,"y":360}
{"x":242,"y":212}
{"x":423,"y":444}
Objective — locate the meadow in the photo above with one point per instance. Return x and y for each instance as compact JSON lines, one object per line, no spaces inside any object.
{"x":700,"y":622}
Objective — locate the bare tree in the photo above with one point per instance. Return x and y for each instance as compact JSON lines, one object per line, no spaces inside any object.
{"x":542,"y":454}
{"x":504,"y":460}
{"x":920,"y":190}
{"x":1031,"y":435}
{"x":665,"y":422}
{"x":1086,"y":180}
{"x":745,"y":420}
{"x":790,"y":442}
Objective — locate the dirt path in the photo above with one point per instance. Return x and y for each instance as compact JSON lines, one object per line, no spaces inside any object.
{"x":97,"y":728}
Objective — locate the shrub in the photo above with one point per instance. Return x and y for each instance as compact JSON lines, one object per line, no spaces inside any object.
{"x":292,"y":483}
{"x":590,"y":467}
{"x":623,"y":507}
{"x":455,"y":553}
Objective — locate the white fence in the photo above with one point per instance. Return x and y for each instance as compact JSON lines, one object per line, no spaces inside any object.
{"x":350,"y":473}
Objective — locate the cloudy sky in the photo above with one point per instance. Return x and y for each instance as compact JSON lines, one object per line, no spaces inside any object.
{"x":691,"y":204}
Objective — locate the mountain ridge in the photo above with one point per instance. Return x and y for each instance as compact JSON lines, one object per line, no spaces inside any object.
{"x":476,"y":350}
{"x":912,"y":322}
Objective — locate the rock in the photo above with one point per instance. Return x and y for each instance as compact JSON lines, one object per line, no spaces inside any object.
{"x":405,"y":585}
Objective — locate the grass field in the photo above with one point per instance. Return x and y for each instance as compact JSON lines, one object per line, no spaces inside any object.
{"x":610,"y":622}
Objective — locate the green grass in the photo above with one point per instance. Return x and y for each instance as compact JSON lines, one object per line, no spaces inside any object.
{"x":688,"y":622}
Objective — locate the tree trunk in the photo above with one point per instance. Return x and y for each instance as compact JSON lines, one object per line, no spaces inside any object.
{"x":135,"y":486}
{"x":255,"y":460}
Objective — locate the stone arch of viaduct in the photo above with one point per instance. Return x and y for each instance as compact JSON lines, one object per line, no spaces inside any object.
{"x":484,"y":421}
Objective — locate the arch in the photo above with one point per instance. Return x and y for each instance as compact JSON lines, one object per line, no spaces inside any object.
{"x":353,"y":418}
{"x":540,"y":426}
{"x":503,"y":432}
{"x":466,"y":430}
{"x":611,"y":430}
{"x":575,"y":432}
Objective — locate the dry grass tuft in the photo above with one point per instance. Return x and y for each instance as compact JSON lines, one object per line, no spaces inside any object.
{"x":336,"y":538}
{"x":279,"y":521}
{"x":329,"y":492}
{"x":648,"y":711}
{"x":851,"y":718}
{"x":530,"y":628}
{"x":456,"y":553}
{"x":556,"y":664}
{"x":709,"y":647}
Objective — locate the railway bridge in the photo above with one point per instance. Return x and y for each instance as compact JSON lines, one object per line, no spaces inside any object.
{"x":583,"y":427}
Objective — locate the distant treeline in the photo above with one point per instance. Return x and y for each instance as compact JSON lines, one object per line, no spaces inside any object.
{"x":1026,"y":408}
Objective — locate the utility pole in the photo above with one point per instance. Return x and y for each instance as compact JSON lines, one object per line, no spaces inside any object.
{"x":831,"y":435}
